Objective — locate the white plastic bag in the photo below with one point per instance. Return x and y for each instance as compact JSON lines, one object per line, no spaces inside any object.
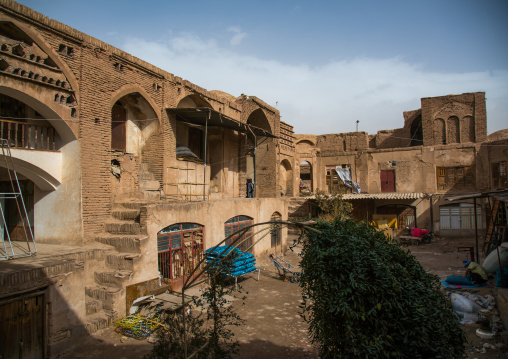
{"x":463,"y":305}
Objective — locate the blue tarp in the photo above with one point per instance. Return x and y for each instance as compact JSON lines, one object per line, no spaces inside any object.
{"x":243,"y":262}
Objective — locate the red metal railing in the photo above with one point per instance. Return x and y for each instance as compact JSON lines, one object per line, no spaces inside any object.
{"x":29,"y":136}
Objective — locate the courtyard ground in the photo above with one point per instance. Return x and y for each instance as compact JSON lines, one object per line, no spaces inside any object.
{"x":273,"y":327}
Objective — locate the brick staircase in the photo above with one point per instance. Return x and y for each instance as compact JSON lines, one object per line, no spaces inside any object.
{"x":298,"y":207}
{"x":105,"y":296}
{"x":149,"y":186}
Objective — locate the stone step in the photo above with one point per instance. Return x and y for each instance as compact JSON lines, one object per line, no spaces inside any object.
{"x":151,"y":195}
{"x":122,"y":260}
{"x":109,"y":296}
{"x":125,"y":214}
{"x":146,"y":176}
{"x":149,"y":185}
{"x":123,"y":243}
{"x":129,"y":205}
{"x":112,"y":278}
{"x":144,"y":167}
{"x":92,"y":306}
{"x":122,"y":227}
{"x":98,"y":321}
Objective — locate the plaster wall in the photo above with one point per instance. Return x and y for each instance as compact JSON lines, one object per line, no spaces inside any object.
{"x":44,"y":163}
{"x":57,"y":214}
{"x":212,"y":215}
{"x":66,"y":311}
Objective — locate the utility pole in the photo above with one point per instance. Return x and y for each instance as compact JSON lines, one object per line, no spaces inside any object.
{"x":357,"y":121}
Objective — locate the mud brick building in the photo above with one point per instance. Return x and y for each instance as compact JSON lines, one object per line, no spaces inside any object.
{"x":128,"y":174}
{"x":407,"y":173}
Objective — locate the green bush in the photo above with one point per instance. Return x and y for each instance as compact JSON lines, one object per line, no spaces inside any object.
{"x":365,"y":297}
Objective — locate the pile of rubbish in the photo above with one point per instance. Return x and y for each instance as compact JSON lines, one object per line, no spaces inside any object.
{"x":472,"y":308}
{"x":147,"y":315}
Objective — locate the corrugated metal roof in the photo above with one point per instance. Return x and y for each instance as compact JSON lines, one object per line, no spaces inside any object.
{"x":390,"y":195}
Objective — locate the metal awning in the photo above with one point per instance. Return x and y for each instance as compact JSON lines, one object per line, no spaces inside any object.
{"x":500,"y":195}
{"x":390,"y":195}
{"x":202,"y":115}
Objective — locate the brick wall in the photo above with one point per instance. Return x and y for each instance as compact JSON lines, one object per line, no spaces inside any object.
{"x":454,"y":118}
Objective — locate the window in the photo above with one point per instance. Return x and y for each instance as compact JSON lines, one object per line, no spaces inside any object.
{"x":275,"y":233}
{"x":180,"y":248}
{"x":333,"y":181}
{"x":189,"y":143}
{"x":499,"y":175}
{"x":235,"y":224}
{"x":459,"y":217}
{"x":455,"y":178}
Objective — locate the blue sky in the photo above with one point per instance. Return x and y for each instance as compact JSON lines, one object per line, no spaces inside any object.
{"x":323,"y":64}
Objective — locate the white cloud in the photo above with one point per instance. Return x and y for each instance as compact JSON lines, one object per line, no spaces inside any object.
{"x":323,"y":99}
{"x":238,"y":35}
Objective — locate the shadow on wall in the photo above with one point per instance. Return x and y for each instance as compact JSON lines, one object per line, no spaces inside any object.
{"x":42,"y":306}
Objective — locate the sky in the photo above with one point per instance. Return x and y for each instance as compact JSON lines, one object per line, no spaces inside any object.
{"x":323,"y":64}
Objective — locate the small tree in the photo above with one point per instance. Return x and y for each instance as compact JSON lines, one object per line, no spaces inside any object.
{"x":222,"y":344}
{"x":332,"y":206}
{"x":367,"y":298}
{"x":210,"y":328}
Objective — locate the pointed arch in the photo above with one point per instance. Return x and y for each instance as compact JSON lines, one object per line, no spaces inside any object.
{"x":258,"y":118}
{"x":51,"y":114}
{"x":131,"y":89}
{"x":192,"y":101}
{"x":47,"y":48}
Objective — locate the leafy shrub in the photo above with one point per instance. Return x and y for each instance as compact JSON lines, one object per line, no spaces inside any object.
{"x":331,"y":206}
{"x":367,"y":298}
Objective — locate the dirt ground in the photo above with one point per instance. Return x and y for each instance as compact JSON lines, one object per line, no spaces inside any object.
{"x":273,"y":327}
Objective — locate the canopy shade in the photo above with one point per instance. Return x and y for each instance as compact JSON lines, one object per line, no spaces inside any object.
{"x":200,"y":116}
{"x":500,"y":195}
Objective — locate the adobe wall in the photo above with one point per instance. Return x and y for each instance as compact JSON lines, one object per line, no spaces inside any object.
{"x":212,"y":215}
{"x":98,"y":75}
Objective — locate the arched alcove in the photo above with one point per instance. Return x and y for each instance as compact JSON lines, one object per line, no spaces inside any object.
{"x":452,"y":130}
{"x":286,"y":179}
{"x":133,"y":120}
{"x":306,"y":180}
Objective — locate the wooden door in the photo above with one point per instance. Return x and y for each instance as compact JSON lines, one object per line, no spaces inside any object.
{"x":22,"y":327}
{"x":387,"y":181}
{"x":118,"y":128}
